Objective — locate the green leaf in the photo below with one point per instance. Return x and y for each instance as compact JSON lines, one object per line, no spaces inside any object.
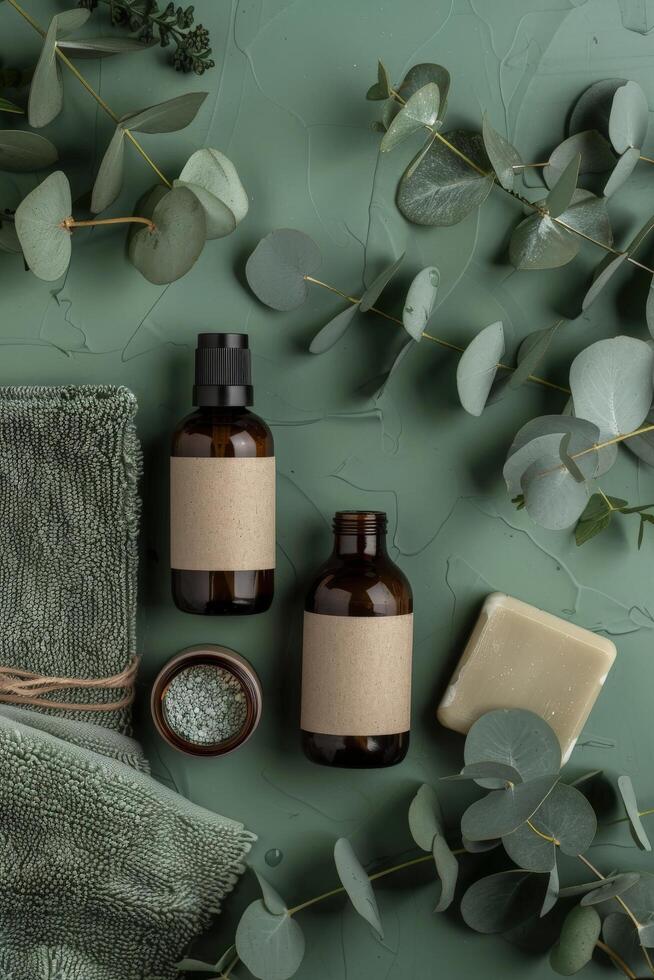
{"x":502,"y":811}
{"x":71,"y":20}
{"x":425,"y":817}
{"x":586,"y":530}
{"x":493,"y":775}
{"x":605,"y":272}
{"x":273,"y":902}
{"x":404,"y":350}
{"x":532,"y":351}
{"x":420,"y":301}
{"x":565,"y":815}
{"x":501,"y":901}
{"x":552,"y":893}
{"x":541,"y":437}
{"x":377,"y":286}
{"x":270,"y":946}
{"x":553,"y":498}
{"x":443,"y":188}
{"x":622,"y":170}
{"x":11,"y":107}
{"x":593,"y":107}
{"x":220,"y":221}
{"x":277,"y":269}
{"x":167,"y":253}
{"x":383,"y":86}
{"x":620,"y":934}
{"x":356,"y":883}
{"x":217,"y":175}
{"x":610,"y":888}
{"x":594,"y":149}
{"x":23,"y":152}
{"x":560,"y":197}
{"x":514,"y":737}
{"x":46,"y":91}
{"x":109,"y":181}
{"x":477,"y":367}
{"x":447,"y":868}
{"x":420,"y":111}
{"x":502,"y":155}
{"x":332,"y":332}
{"x":628,"y":795}
{"x":611,"y":384}
{"x":629,"y":118}
{"x":46,"y":244}
{"x":540,"y":242}
{"x":581,"y":930}
{"x":529,"y":851}
{"x":102,"y":47}
{"x":166,"y":117}
{"x":421,"y":75}
{"x":196,"y":966}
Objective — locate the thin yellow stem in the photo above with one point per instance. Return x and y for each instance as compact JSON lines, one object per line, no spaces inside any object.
{"x":89,"y":88}
{"x":611,"y":442}
{"x":72,"y":223}
{"x":646,"y":159}
{"x":428,"y":336}
{"x":546,"y":837}
{"x":526,"y":166}
{"x":617,"y":959}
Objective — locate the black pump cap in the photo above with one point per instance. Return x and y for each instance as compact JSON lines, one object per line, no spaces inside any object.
{"x":223,"y":374}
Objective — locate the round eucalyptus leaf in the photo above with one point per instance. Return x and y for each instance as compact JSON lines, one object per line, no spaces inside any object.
{"x":46,"y":90}
{"x":420,"y":301}
{"x":421,"y":75}
{"x":447,"y":869}
{"x":273,"y":902}
{"x":332,"y":332}
{"x":593,"y":108}
{"x":529,"y":851}
{"x":277,"y":268}
{"x":425,"y":817}
{"x":46,"y":243}
{"x":167,"y":253}
{"x":542,"y":437}
{"x":560,"y":196}
{"x":595,"y":151}
{"x":420,"y":112}
{"x":270,"y":946}
{"x":628,"y":795}
{"x":166,"y":117}
{"x":619,"y":932}
{"x":502,"y":811}
{"x":220,"y":220}
{"x":641,"y":899}
{"x":532,"y":350}
{"x":540,"y":242}
{"x":610,"y":888}
{"x":612,"y":384}
{"x":443,"y":188}
{"x":516,"y":738}
{"x":588,"y":887}
{"x":629,"y":118}
{"x":356,"y":883}
{"x":477,"y":368}
{"x":581,"y":930}
{"x":605,"y":272}
{"x":503,"y":156}
{"x":501,"y":901}
{"x":553,"y":498}
{"x":623,"y":169}
{"x":377,"y":286}
{"x":22,"y":151}
{"x":493,"y":775}
{"x":565,"y":815}
{"x":213,"y":171}
{"x":109,"y":181}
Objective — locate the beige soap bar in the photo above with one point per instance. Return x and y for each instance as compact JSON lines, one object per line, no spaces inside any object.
{"x":521,"y":657}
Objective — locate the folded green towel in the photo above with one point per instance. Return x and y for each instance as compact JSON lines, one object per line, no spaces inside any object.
{"x":106,"y":874}
{"x":69,"y":465}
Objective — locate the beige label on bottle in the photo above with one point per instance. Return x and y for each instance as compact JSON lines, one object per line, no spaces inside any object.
{"x":356,"y":674}
{"x":222,"y":513}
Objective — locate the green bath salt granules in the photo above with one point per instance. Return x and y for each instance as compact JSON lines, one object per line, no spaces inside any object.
{"x":205,"y":704}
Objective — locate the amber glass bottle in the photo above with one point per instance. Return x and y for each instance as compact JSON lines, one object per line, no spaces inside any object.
{"x":356,"y":659}
{"x":222,"y":489}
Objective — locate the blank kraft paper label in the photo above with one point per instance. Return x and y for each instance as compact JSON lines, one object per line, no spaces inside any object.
{"x":356,"y":674}
{"x":222,"y":513}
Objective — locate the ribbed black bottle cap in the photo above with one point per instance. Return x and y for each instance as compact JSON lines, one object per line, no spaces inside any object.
{"x":223,"y":373}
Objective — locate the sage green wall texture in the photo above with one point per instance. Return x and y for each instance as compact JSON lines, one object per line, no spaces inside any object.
{"x":287,"y":104}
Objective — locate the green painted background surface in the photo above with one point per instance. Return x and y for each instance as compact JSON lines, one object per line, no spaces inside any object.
{"x":286,"y":103}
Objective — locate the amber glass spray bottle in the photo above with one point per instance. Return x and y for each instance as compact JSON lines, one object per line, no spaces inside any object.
{"x":357,"y":649}
{"x":222,"y":476}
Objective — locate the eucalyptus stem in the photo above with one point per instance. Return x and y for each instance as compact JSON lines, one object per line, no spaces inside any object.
{"x":89,"y":88}
{"x":428,"y":336}
{"x":523,"y":200}
{"x":617,"y":959}
{"x":70,"y":223}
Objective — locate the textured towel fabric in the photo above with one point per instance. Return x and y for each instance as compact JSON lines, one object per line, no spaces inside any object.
{"x":106,"y":874}
{"x":69,"y":465}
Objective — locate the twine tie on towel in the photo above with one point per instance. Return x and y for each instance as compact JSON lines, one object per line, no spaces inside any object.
{"x":25,"y":688}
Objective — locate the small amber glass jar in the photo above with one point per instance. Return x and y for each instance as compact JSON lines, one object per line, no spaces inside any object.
{"x":235,"y":669}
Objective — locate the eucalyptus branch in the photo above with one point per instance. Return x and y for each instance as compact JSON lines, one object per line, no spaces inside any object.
{"x":70,"y":223}
{"x":518,"y":197}
{"x":89,"y":88}
{"x":428,"y":336}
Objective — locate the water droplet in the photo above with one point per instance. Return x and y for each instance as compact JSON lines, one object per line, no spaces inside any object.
{"x":273,"y":857}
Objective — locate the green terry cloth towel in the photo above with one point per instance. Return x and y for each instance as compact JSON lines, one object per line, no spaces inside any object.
{"x":69,"y":465}
{"x":106,"y":874}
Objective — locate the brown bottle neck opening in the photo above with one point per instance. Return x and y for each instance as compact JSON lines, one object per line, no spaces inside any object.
{"x":359,"y":533}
